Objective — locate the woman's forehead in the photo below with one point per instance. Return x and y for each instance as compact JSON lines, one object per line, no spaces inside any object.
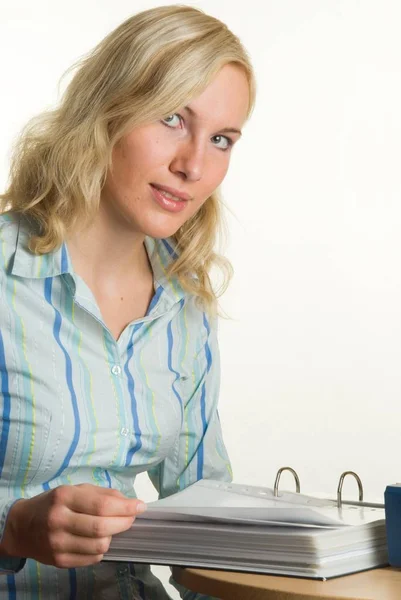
{"x":225,"y":98}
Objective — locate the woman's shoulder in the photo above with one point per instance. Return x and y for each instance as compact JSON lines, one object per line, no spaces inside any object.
{"x":9,"y":227}
{"x":202,"y":321}
{"x":9,"y":220}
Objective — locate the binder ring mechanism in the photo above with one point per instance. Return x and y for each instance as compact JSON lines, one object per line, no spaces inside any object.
{"x":340,"y":501}
{"x":297,"y":484}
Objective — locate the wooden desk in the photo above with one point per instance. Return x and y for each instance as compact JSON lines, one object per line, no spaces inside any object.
{"x":377,"y":584}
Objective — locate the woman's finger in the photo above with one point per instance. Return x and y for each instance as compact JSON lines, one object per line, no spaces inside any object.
{"x":68,"y":561}
{"x":96,"y":527}
{"x":66,"y":543}
{"x":94,"y":501}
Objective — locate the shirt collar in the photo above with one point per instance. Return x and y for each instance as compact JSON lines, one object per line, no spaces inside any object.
{"x":33,"y":266}
{"x":161,"y":253}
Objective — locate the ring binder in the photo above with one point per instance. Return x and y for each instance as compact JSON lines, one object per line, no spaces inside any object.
{"x":297,"y":484}
{"x":340,"y":486}
{"x":220,"y":525}
{"x":339,"y":500}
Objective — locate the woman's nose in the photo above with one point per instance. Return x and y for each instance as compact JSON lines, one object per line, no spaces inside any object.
{"x":189,"y":160}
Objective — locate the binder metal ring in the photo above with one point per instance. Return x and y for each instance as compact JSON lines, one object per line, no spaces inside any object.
{"x":297,"y":484}
{"x":340,"y":487}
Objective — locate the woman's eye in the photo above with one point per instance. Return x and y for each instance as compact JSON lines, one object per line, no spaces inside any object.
{"x":227,"y":143}
{"x":220,"y":141}
{"x":172,"y":120}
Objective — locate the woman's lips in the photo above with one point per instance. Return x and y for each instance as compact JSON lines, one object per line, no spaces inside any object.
{"x":168,"y":204}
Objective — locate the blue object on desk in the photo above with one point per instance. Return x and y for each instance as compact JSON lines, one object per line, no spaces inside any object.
{"x":392,"y":505}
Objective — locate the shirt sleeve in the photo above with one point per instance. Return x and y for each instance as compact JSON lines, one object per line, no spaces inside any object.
{"x":199,"y":452}
{"x":8,"y":564}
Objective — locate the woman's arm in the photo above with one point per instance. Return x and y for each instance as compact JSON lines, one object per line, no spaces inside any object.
{"x":200,"y":452}
{"x":8,"y":564}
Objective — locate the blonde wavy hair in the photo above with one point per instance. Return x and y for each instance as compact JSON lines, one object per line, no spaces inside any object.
{"x":147,"y":68}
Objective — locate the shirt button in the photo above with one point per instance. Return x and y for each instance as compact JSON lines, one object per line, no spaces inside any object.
{"x":116,"y":370}
{"x":124,"y":431}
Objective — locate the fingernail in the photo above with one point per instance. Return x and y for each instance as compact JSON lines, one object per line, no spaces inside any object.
{"x":141,"y":507}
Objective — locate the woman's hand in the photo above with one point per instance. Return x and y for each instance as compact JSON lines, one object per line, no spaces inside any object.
{"x":70,"y":526}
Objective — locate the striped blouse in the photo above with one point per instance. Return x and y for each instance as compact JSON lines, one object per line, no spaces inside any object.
{"x":78,"y":406}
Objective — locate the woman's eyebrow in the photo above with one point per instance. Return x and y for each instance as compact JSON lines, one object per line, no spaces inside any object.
{"x":225,"y":130}
{"x":230,"y":130}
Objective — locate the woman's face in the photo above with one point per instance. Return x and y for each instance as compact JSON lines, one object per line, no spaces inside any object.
{"x":188,"y":153}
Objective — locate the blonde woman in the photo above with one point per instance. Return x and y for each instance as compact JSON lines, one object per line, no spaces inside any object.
{"x":108,"y":353}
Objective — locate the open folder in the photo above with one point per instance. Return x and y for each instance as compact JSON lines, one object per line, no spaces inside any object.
{"x":246,"y":528}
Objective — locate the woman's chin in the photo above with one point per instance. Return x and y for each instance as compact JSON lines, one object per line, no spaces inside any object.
{"x":162,"y":228}
{"x":161,"y":231}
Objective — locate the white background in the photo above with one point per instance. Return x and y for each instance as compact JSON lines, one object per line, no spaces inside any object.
{"x":311,"y":355}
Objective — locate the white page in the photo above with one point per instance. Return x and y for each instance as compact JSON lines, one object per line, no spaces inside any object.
{"x":208,"y":499}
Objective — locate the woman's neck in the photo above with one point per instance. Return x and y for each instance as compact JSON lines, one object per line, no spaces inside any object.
{"x":108,"y":251}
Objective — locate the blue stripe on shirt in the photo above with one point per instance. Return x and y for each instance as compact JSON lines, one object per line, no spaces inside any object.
{"x":134,"y":409}
{"x":68,"y":374}
{"x":5,"y":429}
